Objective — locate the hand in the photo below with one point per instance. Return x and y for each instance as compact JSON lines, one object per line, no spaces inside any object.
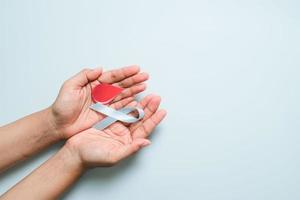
{"x":71,"y":112}
{"x":105,"y":148}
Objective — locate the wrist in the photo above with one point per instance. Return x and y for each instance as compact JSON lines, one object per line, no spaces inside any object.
{"x":71,"y":149}
{"x":71,"y":159}
{"x":56,"y":130}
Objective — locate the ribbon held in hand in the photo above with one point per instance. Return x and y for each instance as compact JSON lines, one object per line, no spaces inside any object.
{"x":104,"y":94}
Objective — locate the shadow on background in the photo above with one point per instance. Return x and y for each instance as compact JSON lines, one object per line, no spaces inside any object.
{"x":108,"y":175}
{"x":96,"y":175}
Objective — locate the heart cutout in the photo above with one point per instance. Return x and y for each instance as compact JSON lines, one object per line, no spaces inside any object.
{"x":105,"y":93}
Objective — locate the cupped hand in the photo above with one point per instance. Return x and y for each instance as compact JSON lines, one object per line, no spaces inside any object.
{"x":71,"y":112}
{"x":118,"y":141}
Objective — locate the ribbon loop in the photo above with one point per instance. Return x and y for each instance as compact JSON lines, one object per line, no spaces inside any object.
{"x":115,"y":115}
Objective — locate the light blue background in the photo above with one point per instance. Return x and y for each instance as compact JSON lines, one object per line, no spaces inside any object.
{"x":227,"y":71}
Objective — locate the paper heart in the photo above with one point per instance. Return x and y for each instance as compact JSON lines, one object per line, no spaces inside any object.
{"x":105,"y":93}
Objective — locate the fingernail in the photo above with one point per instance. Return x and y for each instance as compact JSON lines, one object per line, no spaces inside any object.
{"x":146,"y":143}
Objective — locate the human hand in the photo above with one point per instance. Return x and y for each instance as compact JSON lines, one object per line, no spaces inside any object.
{"x":92,"y":148}
{"x":70,"y":111}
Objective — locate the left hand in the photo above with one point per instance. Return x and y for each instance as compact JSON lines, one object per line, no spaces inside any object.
{"x":70,"y":111}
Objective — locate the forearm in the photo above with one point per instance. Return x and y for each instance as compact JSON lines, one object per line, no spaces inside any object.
{"x":50,"y":180}
{"x":26,"y":136}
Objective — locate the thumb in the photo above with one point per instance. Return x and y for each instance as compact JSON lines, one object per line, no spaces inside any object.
{"x":84,"y":77}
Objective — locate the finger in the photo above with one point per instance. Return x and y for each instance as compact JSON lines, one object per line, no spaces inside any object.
{"x":142,"y":104}
{"x":117,"y":75}
{"x":122,"y":103}
{"x":150,"y":105}
{"x":132,"y":91}
{"x":146,"y":128}
{"x":131,"y":148}
{"x":84,"y":77}
{"x":131,"y":104}
{"x":133,"y":80}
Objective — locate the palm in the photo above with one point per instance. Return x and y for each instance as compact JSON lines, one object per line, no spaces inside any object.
{"x":103,"y":148}
{"x":74,"y":108}
{"x":98,"y":148}
{"x":72,"y":104}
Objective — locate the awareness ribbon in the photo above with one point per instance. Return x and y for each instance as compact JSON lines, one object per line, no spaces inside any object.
{"x":112,"y":114}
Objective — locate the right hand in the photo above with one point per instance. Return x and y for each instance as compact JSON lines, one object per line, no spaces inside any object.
{"x":94,"y":148}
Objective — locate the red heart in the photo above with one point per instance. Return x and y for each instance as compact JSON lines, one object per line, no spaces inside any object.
{"x":105,"y":93}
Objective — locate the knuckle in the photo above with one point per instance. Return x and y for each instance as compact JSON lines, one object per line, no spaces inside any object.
{"x":113,"y":75}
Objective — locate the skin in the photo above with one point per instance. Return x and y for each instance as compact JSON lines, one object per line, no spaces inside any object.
{"x":70,"y":117}
{"x":88,"y":149}
{"x":106,"y":148}
{"x":71,"y":109}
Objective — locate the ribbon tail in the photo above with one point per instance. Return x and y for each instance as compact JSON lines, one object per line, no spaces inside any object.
{"x":103,"y":124}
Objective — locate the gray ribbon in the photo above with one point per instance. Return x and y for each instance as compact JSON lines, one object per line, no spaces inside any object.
{"x":115,"y":115}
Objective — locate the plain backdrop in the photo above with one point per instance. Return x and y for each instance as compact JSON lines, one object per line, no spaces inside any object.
{"x":227,"y":71}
